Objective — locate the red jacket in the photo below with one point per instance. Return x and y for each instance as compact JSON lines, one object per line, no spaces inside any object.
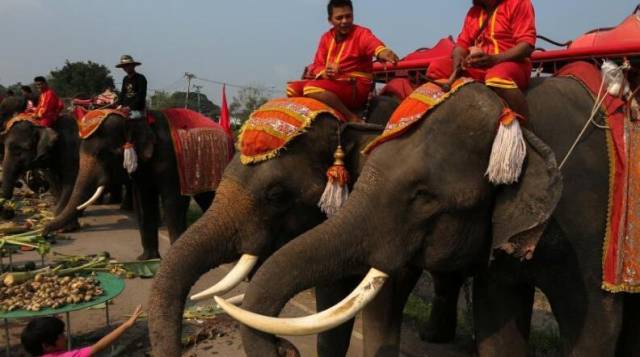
{"x":49,"y":107}
{"x":511,"y":23}
{"x":354,"y":55}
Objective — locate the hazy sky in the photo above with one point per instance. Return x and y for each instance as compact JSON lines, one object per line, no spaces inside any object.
{"x":256,"y":42}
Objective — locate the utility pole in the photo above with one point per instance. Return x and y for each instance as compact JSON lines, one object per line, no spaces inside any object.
{"x":189,"y":76}
{"x":197,"y":88}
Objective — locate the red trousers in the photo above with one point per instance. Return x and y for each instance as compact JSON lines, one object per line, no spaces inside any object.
{"x":503,"y":75}
{"x":353,"y":93}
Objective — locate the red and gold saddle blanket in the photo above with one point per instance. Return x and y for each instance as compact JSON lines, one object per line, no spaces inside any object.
{"x":413,"y":109}
{"x":621,"y":255}
{"x":275,"y":124}
{"x":201,"y":146}
{"x":202,"y":150}
{"x":89,"y":122}
{"x":21,"y":117}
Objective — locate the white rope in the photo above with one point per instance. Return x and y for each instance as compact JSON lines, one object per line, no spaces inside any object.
{"x":594,"y":111}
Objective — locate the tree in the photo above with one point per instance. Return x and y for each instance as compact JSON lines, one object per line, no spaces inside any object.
{"x":80,"y":78}
{"x":244,"y":103}
{"x":163,"y":100}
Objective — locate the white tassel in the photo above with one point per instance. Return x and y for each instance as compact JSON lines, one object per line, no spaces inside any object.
{"x":130,"y":162}
{"x":507,"y":155}
{"x":337,"y":190}
{"x":333,"y":198}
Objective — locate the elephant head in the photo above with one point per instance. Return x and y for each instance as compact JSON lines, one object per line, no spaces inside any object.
{"x":10,"y":106}
{"x":100,"y":162}
{"x":26,"y":146}
{"x":257,"y":208}
{"x":421,"y":199}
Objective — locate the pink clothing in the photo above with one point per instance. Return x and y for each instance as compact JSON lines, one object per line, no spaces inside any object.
{"x":82,"y":352}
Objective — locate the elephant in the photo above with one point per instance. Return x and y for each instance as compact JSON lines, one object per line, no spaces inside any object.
{"x":445,"y":215}
{"x":10,"y":106}
{"x":156,"y":177}
{"x":256,"y":210}
{"x":55,"y":150}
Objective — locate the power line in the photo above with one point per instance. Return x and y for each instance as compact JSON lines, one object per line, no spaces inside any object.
{"x":266,"y":89}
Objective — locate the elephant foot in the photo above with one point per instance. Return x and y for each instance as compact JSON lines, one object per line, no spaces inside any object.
{"x":149,"y":255}
{"x":287,"y":349}
{"x":441,"y":327}
{"x":126,"y":205}
{"x":71,"y":227}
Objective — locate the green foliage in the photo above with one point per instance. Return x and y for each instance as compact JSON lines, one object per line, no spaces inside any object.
{"x":145,"y":269}
{"x":244,"y":103}
{"x":417,"y":310}
{"x":14,"y":87}
{"x":163,"y":100}
{"x":80,"y":78}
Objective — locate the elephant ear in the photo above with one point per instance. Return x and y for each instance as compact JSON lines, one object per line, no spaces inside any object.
{"x":140,"y":134}
{"x":523,"y":209}
{"x":46,"y":139}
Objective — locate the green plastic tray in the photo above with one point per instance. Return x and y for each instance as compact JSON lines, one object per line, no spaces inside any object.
{"x":110,"y":284}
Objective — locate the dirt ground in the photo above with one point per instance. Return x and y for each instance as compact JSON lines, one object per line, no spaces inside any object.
{"x":107,"y":228}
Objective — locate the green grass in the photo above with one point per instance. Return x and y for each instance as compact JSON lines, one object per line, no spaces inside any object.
{"x":417,"y":310}
{"x":542,"y":341}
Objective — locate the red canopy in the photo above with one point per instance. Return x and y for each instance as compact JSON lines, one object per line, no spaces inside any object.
{"x":620,"y":41}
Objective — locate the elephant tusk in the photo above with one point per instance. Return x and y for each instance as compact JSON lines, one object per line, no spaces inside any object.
{"x":92,"y":199}
{"x":316,"y":323}
{"x":235,"y":300}
{"x":232,"y":279}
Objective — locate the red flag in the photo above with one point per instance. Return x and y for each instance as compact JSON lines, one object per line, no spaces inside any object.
{"x":225,"y":121}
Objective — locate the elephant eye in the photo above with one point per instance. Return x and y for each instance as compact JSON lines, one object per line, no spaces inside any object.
{"x":423,"y":194}
{"x":276,"y":194}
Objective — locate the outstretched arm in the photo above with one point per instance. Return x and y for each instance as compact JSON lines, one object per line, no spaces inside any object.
{"x":109,"y":339}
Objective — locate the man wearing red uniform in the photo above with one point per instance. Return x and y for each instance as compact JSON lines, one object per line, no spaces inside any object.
{"x":341,"y":73}
{"x":49,"y":105}
{"x":495,"y":47}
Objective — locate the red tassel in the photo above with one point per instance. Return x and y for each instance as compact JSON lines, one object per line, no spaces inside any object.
{"x":338,"y":173}
{"x":336,"y":192}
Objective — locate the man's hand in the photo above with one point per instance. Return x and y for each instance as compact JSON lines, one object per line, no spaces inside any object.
{"x":331,"y":70}
{"x":388,"y":56}
{"x":481,"y":60}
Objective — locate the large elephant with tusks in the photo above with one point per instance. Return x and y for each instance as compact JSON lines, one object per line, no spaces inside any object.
{"x":257,"y":209}
{"x":427,"y":189}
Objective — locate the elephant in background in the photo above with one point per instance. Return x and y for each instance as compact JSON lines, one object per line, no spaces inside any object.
{"x":10,"y":106}
{"x":54,"y":150}
{"x":156,"y":177}
{"x":257,"y":209}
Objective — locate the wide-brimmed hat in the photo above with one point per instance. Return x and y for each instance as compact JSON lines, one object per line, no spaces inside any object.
{"x":125,"y":60}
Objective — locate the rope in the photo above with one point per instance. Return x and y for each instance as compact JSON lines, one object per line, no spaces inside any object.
{"x":559,"y":44}
{"x":594,"y":111}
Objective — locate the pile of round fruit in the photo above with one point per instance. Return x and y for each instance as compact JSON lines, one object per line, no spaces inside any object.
{"x":49,"y":291}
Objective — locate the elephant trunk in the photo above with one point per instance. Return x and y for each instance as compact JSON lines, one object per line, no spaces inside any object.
{"x":9,"y":177}
{"x":85,"y":185}
{"x":208,"y":243}
{"x":323,"y":255}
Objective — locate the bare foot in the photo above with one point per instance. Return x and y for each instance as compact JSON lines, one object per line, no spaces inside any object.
{"x":149,"y":255}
